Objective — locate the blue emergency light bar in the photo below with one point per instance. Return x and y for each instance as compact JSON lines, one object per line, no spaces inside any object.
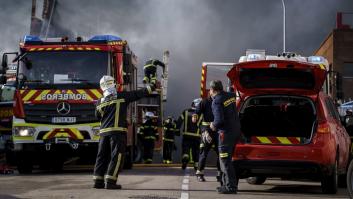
{"x":104,"y":38}
{"x":31,"y":39}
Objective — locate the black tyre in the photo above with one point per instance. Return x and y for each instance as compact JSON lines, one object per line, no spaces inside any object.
{"x":350,"y":180}
{"x":329,"y":183}
{"x":128,"y":159}
{"x":24,"y":163}
{"x":256,"y":180}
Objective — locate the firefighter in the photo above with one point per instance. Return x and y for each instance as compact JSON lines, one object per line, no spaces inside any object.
{"x":149,"y":134}
{"x":209,"y":138}
{"x":227,"y":125}
{"x":189,"y":122}
{"x":150,"y":69}
{"x":170,"y":131}
{"x":112,"y":112}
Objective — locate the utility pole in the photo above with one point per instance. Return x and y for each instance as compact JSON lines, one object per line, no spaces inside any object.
{"x":284,"y":26}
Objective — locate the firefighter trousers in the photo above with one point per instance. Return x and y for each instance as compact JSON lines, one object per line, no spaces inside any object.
{"x":148,"y":149}
{"x":167,"y":151}
{"x":150,"y":75}
{"x":227,"y":142}
{"x":191,"y":147}
{"x":205,"y":149}
{"x":111,"y":150}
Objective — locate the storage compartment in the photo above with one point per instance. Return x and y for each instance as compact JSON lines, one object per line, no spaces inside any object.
{"x":278,"y":119}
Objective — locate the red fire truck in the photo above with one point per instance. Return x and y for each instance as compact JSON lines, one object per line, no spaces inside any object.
{"x":57,"y":86}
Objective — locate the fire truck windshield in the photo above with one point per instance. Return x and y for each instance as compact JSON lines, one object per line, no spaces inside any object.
{"x":63,"y":69}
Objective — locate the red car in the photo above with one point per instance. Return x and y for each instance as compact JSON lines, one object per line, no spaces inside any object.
{"x":291,"y":129}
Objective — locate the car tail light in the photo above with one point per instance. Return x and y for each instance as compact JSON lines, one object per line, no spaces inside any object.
{"x":18,"y":106}
{"x":323,"y":128}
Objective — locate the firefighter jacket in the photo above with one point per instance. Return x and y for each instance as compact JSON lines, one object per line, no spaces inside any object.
{"x":225,"y":113}
{"x":170,"y":130}
{"x":153,"y":63}
{"x":112,"y":110}
{"x":204,"y":110}
{"x":188,"y":128}
{"x":149,"y":130}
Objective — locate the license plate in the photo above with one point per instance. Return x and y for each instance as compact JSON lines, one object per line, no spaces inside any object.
{"x":63,"y":120}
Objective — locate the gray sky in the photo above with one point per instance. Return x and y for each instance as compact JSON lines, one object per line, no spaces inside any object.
{"x":193,"y":30}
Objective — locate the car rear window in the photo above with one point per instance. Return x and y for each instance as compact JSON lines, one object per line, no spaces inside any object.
{"x":277,"y":78}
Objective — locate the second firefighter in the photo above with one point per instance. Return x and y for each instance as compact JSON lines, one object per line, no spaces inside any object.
{"x":149,"y":134}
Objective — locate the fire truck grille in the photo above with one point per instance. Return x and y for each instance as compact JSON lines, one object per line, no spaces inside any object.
{"x":44,"y":113}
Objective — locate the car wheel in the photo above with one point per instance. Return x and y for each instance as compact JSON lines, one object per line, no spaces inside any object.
{"x":256,"y":180}
{"x":350,"y":179}
{"x":329,"y":182}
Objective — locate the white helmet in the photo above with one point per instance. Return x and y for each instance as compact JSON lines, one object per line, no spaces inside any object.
{"x":196,"y":102}
{"x":107,"y":82}
{"x":149,"y":114}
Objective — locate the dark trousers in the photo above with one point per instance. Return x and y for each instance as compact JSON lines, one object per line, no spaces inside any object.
{"x":191,"y":147}
{"x":205,"y":149}
{"x":150,"y":75}
{"x":168,"y":150}
{"x":227,"y":142}
{"x":148,"y":149}
{"x":111,"y":150}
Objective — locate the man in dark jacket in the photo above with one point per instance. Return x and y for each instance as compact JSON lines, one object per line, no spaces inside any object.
{"x":112,"y":112}
{"x":170,"y":131}
{"x":150,"y":69}
{"x":227,"y":124}
{"x":149,"y":135}
{"x":189,"y":123}
{"x":209,"y":138}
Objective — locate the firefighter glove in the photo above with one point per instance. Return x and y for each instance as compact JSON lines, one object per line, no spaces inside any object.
{"x":206,"y":137}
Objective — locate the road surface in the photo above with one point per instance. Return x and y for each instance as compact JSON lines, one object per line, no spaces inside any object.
{"x":149,"y":183}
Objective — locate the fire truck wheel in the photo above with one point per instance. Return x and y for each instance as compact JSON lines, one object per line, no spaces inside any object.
{"x":24,"y":163}
{"x":128,"y":158}
{"x":256,"y":180}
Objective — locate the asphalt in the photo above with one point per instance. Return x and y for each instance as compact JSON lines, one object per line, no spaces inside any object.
{"x":149,"y":183}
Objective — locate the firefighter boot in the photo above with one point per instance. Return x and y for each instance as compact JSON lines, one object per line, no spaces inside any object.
{"x":112,"y":186}
{"x":200,"y":176}
{"x":225,"y":190}
{"x":98,"y":184}
{"x":185,"y":161}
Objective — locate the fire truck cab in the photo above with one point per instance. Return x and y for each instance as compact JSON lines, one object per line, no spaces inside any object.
{"x":56,"y":88}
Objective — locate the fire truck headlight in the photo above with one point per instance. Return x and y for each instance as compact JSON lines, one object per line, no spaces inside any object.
{"x":95,"y":130}
{"x":23,"y":131}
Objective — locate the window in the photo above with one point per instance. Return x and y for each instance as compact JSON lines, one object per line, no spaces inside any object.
{"x":332,"y":109}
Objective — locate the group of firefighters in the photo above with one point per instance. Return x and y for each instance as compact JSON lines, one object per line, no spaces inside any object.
{"x":210,"y":123}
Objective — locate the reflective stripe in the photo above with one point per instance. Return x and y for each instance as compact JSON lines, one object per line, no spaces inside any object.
{"x":110,"y":102}
{"x":150,"y":138}
{"x":98,"y":178}
{"x":117,"y":165}
{"x":168,"y":140}
{"x":229,"y":101}
{"x":223,"y":155}
{"x":186,"y":121}
{"x":202,"y":145}
{"x":110,"y":177}
{"x":149,"y":89}
{"x":112,"y":129}
{"x":206,"y":123}
{"x":148,"y":65}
